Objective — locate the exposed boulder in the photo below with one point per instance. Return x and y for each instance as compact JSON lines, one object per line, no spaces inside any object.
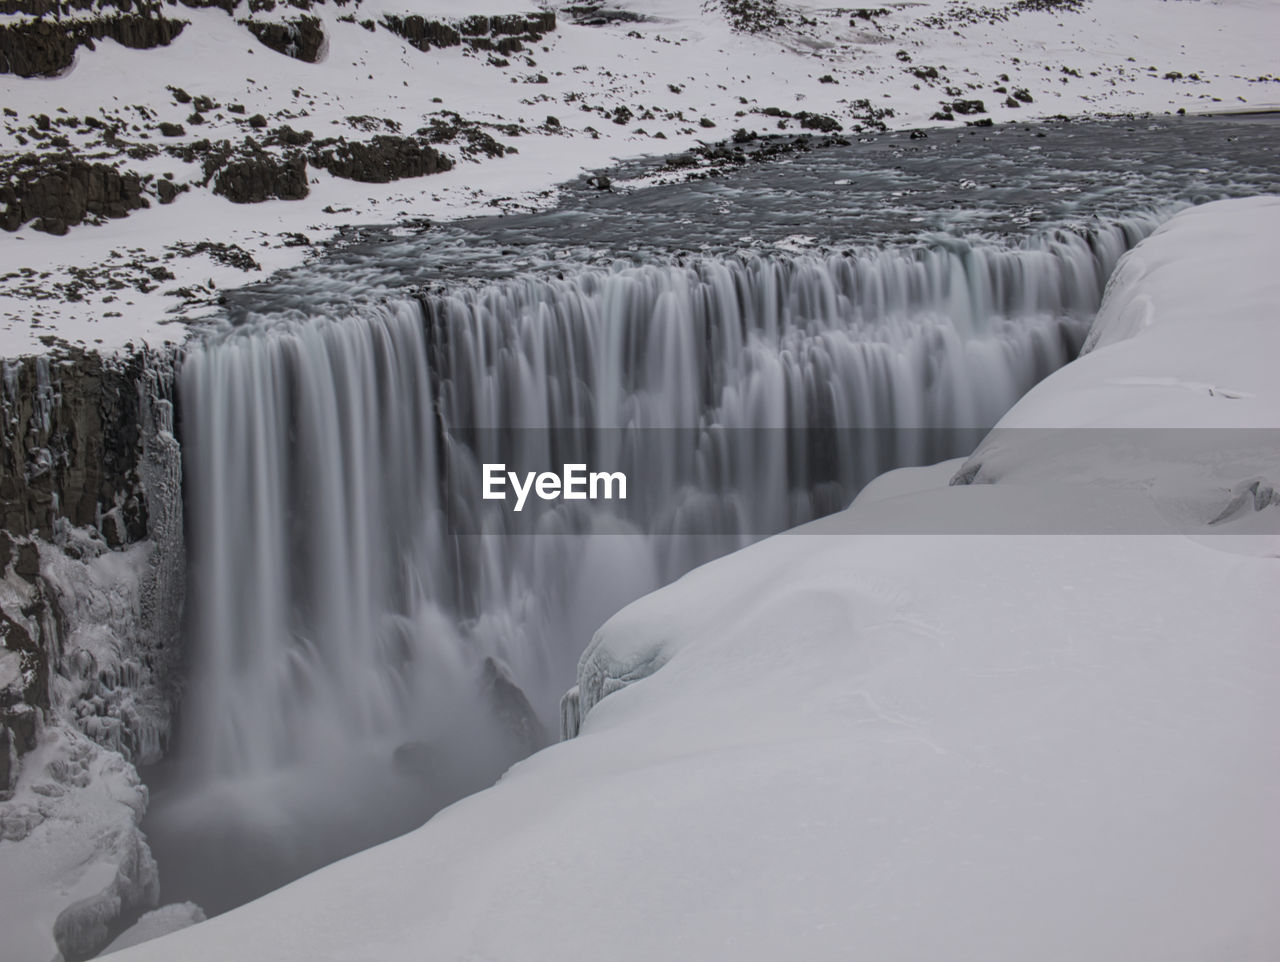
{"x":46,"y":47}
{"x":380,"y":160}
{"x":302,"y":38}
{"x":61,"y":191}
{"x":261,"y":176}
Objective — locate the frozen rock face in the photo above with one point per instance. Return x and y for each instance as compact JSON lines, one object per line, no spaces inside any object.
{"x":90,"y":547}
{"x":91,"y":579}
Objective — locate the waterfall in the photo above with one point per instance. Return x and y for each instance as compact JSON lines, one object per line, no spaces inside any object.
{"x":350,"y":589}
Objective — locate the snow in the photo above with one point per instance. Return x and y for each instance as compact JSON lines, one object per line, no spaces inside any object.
{"x":683,"y":43}
{"x":73,"y":861}
{"x":902,"y":747}
{"x":71,"y":855}
{"x":158,"y":922}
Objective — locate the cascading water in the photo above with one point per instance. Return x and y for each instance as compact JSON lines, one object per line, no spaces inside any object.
{"x":370,"y":637}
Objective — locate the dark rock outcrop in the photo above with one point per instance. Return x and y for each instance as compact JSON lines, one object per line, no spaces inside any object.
{"x":46,"y":47}
{"x":422,"y":33}
{"x":504,"y":34}
{"x":57,"y":192}
{"x":301,"y":38}
{"x":251,"y":179}
{"x":380,"y":160}
{"x":88,"y":465}
{"x":70,"y":445}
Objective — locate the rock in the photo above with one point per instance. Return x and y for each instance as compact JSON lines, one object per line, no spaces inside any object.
{"x":967,"y":107}
{"x":503,"y":34}
{"x":171,"y":130}
{"x":70,"y":440}
{"x":260,"y":177}
{"x":812,"y":121}
{"x":45,"y":47}
{"x":302,"y":38}
{"x":422,"y":33}
{"x":27,"y":562}
{"x":166,"y":190}
{"x":56,"y":192}
{"x":379,"y":160}
{"x":257,"y":121}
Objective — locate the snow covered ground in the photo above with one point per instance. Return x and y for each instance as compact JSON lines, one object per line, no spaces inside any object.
{"x":911,"y":747}
{"x":659,"y":78}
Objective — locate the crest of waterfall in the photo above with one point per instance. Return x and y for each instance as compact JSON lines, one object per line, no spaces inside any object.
{"x":351,"y":586}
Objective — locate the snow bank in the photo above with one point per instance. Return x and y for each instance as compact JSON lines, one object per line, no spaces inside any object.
{"x":889,"y":747}
{"x":1175,"y":400}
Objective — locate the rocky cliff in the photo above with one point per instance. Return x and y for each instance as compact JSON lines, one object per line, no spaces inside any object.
{"x":91,"y":588}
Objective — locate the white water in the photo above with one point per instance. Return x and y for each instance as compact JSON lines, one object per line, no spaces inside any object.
{"x":348,"y":584}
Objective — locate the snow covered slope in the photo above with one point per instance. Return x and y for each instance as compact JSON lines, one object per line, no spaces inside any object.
{"x":903,"y":747}
{"x":609,"y":81}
